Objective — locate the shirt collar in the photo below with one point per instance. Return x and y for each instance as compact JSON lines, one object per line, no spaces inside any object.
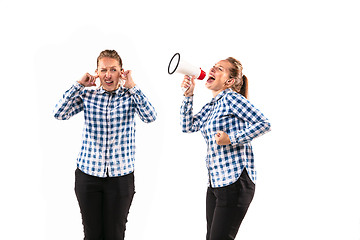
{"x":220,"y":95}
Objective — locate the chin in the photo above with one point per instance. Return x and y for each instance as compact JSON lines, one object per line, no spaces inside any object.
{"x":109,"y":87}
{"x":208,"y":86}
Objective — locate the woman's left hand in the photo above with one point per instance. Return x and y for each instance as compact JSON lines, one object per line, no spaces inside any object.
{"x":222,"y":138}
{"x":129,"y":82}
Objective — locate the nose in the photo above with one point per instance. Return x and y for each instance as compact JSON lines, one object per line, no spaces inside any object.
{"x":107,"y":74}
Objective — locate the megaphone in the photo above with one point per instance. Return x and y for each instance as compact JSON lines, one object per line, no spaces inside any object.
{"x":178,"y":65}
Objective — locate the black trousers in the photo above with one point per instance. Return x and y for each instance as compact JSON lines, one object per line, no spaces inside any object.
{"x":226,"y":208}
{"x":104,"y":204}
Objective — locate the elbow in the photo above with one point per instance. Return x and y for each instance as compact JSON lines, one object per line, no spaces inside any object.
{"x":61,"y":117}
{"x":183,"y":128}
{"x":153,"y":119}
{"x":57,"y":116}
{"x":186,"y":129}
{"x":150,"y":119}
{"x":267,"y":126}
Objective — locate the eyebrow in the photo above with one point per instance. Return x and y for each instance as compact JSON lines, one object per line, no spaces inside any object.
{"x":106,"y":67}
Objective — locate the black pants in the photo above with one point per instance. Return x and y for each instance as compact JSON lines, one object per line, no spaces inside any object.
{"x":226,"y":208}
{"x":104,"y":204}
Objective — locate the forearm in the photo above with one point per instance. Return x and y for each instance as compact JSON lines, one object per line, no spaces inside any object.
{"x":69,"y":104}
{"x":248,"y":134}
{"x":188,"y":122}
{"x":145,"y":110}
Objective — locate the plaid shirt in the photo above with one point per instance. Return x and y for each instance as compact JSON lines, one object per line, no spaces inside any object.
{"x":233,"y":114}
{"x":108,"y":141}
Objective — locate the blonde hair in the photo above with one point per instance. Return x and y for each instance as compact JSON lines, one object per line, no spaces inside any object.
{"x":241,"y":82}
{"x":110,"y":54}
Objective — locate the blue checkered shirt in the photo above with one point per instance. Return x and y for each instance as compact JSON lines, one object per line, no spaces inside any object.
{"x":108,"y":140}
{"x":233,"y":114}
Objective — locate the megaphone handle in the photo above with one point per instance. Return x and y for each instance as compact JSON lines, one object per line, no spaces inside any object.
{"x":184,"y":88}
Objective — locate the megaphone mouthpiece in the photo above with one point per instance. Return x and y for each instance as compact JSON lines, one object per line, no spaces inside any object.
{"x":180,"y":66}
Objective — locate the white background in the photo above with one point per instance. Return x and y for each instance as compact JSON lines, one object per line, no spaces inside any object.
{"x":302,"y":62}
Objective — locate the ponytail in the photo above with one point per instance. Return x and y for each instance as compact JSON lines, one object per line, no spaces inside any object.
{"x":241,"y":83}
{"x":244,"y":88}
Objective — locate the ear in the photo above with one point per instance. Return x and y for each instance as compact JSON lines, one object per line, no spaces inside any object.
{"x":122,"y":74}
{"x":230,"y":81}
{"x":96,"y":71}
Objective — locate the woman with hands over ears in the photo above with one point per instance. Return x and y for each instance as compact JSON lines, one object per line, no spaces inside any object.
{"x":228,"y":123}
{"x":104,"y":178}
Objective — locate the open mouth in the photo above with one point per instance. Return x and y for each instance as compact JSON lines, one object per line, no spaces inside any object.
{"x":210,"y":79}
{"x":109,"y":82}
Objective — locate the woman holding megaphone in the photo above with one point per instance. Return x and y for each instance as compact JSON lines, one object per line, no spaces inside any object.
{"x":104,"y":178}
{"x":229,"y":122}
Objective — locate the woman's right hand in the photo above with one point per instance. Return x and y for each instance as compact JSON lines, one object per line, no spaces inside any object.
{"x":88,"y":80}
{"x":190,"y":87}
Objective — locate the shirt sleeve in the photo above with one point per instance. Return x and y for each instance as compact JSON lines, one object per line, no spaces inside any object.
{"x":258,"y":123}
{"x":143,"y":107}
{"x":70,"y":104}
{"x":190,"y":123}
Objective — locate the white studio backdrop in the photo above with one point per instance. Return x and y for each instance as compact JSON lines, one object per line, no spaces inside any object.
{"x":301,"y":59}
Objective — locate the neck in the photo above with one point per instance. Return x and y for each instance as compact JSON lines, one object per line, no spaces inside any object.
{"x":111,"y":90}
{"x":216,"y":92}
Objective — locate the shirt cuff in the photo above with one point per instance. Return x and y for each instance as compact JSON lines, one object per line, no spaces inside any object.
{"x":78,"y":86}
{"x":188,"y":99}
{"x":232,"y":139}
{"x":134,"y":89}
